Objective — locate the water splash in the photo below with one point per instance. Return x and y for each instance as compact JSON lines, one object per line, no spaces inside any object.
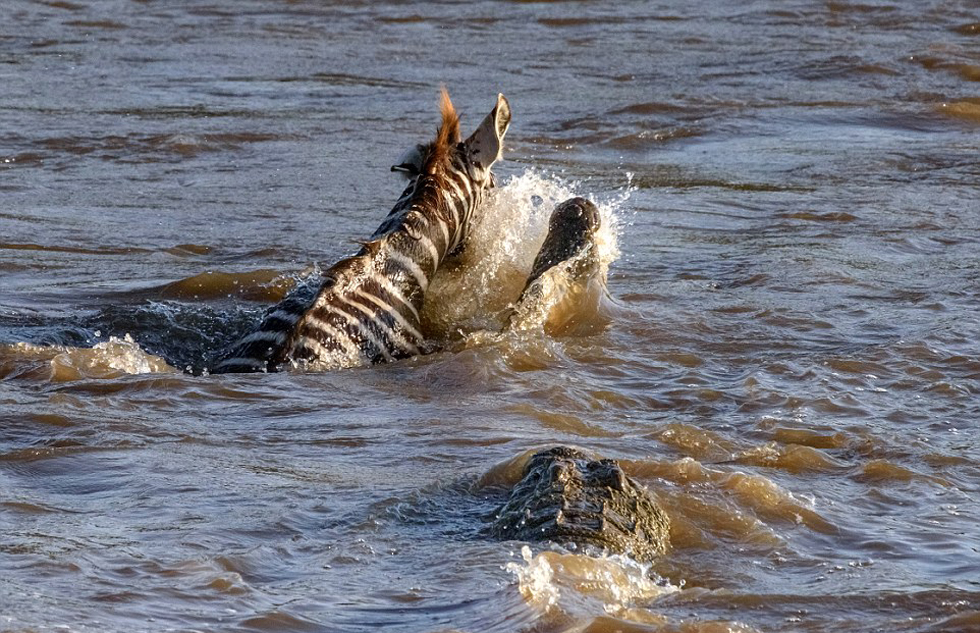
{"x":580,"y":584}
{"x":108,"y":359}
{"x":535,"y":579}
{"x":473,"y":291}
{"x":561,"y":308}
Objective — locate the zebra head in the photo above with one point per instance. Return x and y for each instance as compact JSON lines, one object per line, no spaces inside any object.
{"x":449,"y":177}
{"x":482,"y":148}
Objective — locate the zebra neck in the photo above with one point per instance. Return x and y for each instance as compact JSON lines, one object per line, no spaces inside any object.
{"x":425,"y":226}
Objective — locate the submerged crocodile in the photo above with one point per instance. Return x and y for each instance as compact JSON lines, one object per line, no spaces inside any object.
{"x":567,"y":498}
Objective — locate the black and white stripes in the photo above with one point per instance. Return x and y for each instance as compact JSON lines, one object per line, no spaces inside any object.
{"x":367,"y":308}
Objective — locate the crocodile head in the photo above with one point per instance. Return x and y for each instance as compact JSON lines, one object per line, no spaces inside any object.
{"x":571,"y":231}
{"x":569,"y":499}
{"x":566,"y":285}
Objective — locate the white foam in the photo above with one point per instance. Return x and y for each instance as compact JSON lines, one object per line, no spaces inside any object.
{"x":617,"y":583}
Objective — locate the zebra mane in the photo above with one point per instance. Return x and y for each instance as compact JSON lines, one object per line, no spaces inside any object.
{"x":446,"y":137}
{"x":434,"y":160}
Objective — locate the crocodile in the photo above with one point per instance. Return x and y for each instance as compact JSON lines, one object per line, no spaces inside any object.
{"x":560,"y":285}
{"x":568,"y":498}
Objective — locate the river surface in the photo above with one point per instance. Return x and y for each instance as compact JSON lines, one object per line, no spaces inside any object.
{"x":788,"y":357}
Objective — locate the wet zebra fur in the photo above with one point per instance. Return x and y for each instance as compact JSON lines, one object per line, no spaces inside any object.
{"x":366,"y":310}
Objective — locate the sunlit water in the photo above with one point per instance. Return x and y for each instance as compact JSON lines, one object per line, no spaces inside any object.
{"x":787,"y":357}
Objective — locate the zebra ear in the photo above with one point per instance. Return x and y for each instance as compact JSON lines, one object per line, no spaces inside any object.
{"x":485,"y":144}
{"x":410,"y":162}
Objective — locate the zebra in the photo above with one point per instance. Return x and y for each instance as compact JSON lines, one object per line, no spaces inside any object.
{"x":366,"y":310}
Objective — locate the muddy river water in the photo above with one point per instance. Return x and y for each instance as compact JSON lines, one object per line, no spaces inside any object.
{"x":788,"y":356}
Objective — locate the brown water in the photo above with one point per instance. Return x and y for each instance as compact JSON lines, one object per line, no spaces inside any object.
{"x":789,"y":357}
